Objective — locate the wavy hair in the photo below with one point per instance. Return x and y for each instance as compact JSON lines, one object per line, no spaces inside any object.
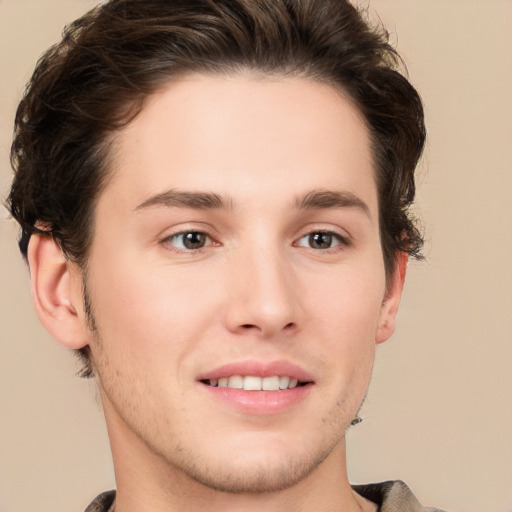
{"x":96,"y":80}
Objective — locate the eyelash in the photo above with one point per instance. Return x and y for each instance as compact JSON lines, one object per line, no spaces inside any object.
{"x":341,"y":241}
{"x":169,"y":241}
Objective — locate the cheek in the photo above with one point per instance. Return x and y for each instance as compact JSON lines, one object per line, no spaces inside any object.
{"x":346,"y":317}
{"x":348,"y":305}
{"x":147,"y":311}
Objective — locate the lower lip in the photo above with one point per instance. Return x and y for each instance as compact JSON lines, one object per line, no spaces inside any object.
{"x":260,"y":402}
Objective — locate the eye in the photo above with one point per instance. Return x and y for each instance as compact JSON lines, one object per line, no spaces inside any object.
{"x":189,"y":240}
{"x":322,"y":240}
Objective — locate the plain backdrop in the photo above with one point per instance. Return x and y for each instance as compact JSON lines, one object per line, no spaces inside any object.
{"x":439,"y":411}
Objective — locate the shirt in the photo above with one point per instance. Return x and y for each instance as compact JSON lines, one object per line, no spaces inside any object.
{"x":391,"y":496}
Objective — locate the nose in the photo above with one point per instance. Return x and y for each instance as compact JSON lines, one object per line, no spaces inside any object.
{"x":263,"y":296}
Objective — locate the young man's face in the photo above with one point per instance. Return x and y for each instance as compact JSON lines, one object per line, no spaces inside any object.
{"x":238,"y":237}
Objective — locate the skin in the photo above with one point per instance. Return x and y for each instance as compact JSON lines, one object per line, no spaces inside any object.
{"x":256,"y":290}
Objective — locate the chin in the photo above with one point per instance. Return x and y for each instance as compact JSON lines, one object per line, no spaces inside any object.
{"x":253,"y":472}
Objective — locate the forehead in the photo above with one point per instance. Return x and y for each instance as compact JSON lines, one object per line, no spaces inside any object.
{"x":237,"y":134}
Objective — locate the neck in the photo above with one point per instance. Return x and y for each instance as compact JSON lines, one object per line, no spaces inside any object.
{"x":148,"y":483}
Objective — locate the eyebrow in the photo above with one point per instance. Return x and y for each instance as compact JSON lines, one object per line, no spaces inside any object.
{"x":323,"y":199}
{"x":197,"y":200}
{"x":314,"y":200}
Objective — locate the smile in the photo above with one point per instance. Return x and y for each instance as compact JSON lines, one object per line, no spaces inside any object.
{"x":255,"y":383}
{"x":258,"y":387}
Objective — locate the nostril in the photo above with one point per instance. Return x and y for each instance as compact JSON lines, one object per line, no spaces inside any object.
{"x":266,"y":329}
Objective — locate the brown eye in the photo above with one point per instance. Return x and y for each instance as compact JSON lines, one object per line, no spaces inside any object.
{"x":320,"y":240}
{"x":190,"y":240}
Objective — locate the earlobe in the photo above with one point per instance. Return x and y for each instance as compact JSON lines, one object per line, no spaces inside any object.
{"x":53,"y":292}
{"x":389,"y":308}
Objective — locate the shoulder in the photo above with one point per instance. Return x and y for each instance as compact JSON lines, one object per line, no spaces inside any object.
{"x":102,"y":503}
{"x":392,"y":496}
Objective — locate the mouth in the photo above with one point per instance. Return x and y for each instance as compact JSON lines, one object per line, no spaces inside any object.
{"x":255,"y":383}
{"x":258,"y":388}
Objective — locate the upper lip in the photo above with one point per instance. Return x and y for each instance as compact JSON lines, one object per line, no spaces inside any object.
{"x":280,"y":368}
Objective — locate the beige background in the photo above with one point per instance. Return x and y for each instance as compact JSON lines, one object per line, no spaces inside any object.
{"x":439,"y":411}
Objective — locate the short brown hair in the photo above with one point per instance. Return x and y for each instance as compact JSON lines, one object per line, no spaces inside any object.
{"x":112,"y":59}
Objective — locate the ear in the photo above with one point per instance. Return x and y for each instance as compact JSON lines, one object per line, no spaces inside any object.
{"x":56,"y":292}
{"x":389,"y":308}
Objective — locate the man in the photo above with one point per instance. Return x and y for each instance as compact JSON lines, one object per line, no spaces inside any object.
{"x":214,"y":200}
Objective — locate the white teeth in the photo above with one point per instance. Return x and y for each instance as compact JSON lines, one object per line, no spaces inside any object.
{"x":253,"y":383}
{"x":236,"y":382}
{"x":270,"y":383}
{"x":283,"y":382}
